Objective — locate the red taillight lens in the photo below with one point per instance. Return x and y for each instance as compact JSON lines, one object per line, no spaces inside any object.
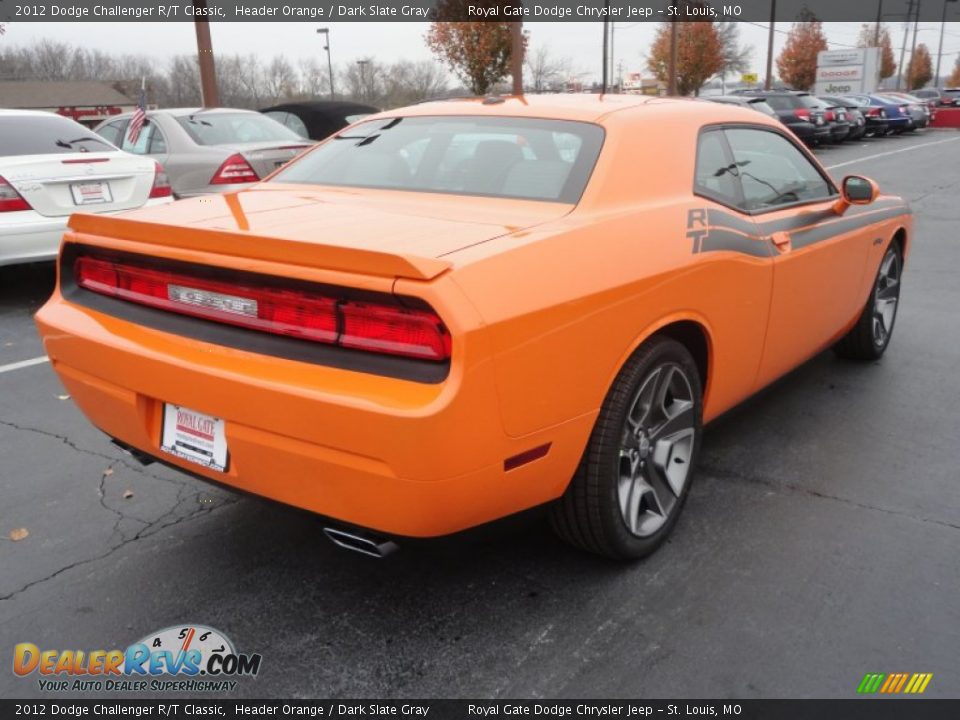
{"x":396,"y":331}
{"x":802,"y":113}
{"x":10,"y":199}
{"x":161,"y":183}
{"x":829,"y":115}
{"x":309,"y":316}
{"x":235,"y":169}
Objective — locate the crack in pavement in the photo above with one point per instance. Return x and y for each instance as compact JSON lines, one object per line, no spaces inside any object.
{"x":73,"y":446}
{"x":138,"y":536}
{"x":722,"y":474}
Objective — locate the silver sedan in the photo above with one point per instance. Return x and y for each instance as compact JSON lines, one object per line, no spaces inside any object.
{"x":208,"y":151}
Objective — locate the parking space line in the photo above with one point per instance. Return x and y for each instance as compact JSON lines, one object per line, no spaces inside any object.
{"x":891,"y":152}
{"x":23,"y":364}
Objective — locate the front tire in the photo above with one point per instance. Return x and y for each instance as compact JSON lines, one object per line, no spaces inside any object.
{"x":869,"y":338}
{"x":635,"y":474}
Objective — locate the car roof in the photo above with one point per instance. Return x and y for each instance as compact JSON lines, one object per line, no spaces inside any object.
{"x":573,"y":106}
{"x":28,"y":113}
{"x":324,"y":107}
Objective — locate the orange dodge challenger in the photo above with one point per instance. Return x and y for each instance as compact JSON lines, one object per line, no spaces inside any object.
{"x":449,"y":313}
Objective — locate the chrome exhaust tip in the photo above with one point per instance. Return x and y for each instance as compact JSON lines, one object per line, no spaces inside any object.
{"x":371,"y":546}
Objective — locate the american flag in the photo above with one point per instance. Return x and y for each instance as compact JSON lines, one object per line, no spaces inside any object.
{"x":139,"y":115}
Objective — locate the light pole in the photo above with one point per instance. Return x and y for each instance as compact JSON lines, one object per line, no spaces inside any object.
{"x":208,"y":71}
{"x":943,"y":24}
{"x":768,"y":81}
{"x":913,"y":49}
{"x":672,"y":67}
{"x":326,"y":46}
{"x":363,"y":77}
{"x":516,"y":56}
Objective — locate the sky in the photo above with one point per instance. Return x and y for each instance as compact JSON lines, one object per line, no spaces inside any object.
{"x":389,"y":42}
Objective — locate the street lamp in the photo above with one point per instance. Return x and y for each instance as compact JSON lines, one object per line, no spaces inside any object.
{"x":943,"y":24}
{"x":326,"y":46}
{"x":363,"y":78}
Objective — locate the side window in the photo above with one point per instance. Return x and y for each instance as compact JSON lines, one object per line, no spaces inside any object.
{"x":773,"y":171}
{"x":716,"y":175}
{"x":296,"y":124}
{"x":158,"y":143}
{"x":142,"y":144}
{"x":113,"y":132}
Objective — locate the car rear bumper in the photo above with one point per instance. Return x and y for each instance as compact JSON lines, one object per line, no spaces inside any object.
{"x":29,"y":236}
{"x":396,"y":456}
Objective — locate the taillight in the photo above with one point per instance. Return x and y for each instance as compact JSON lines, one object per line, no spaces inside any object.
{"x":10,"y":199}
{"x":829,"y":115}
{"x":802,"y":113}
{"x":161,"y":183}
{"x":369,"y":326}
{"x":235,"y":169}
{"x":873,"y":112}
{"x":396,"y":331}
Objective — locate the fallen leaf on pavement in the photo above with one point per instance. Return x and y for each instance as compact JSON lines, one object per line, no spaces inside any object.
{"x":127,"y":494}
{"x":63,"y":397}
{"x":18,"y":534}
{"x":108,"y":472}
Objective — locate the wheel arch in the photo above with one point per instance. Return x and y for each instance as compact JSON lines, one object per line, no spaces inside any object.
{"x":900,"y":237}
{"x":690,"y":330}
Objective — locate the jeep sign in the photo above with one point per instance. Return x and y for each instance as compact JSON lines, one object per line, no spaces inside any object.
{"x":844,"y":72}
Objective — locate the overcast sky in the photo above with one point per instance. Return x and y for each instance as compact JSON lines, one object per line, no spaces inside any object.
{"x":388,"y":42}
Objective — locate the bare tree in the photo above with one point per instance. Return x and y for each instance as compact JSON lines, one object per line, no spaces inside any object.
{"x":280,"y":80}
{"x":364,"y":81}
{"x":546,"y":73}
{"x":314,"y":77}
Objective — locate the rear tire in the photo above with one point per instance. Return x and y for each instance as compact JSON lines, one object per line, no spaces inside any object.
{"x":635,"y":473}
{"x":869,"y":338}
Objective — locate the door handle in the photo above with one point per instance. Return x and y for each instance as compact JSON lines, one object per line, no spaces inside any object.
{"x":781,"y":241}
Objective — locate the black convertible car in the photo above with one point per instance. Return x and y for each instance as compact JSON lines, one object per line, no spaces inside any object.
{"x":318,"y":119}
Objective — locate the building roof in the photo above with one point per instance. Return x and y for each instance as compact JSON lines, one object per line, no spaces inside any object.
{"x":56,"y":94}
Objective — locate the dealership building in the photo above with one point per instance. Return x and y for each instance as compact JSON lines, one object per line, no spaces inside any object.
{"x":87,"y":102}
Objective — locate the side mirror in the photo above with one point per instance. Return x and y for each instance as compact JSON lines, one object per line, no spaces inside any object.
{"x":856,"y":190}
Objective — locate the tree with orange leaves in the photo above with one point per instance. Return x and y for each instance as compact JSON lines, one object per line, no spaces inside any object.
{"x":797,"y":63}
{"x":888,"y":63}
{"x":954,"y":79}
{"x":477,"y":52}
{"x":700,"y":54}
{"x":920,"y":69}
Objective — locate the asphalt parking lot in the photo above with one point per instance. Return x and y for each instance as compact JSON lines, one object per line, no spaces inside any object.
{"x":821,"y":540}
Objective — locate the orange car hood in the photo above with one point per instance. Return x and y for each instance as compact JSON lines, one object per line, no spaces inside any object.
{"x":379,"y":232}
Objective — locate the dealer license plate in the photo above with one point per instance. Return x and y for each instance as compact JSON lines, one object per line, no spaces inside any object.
{"x":194,"y":436}
{"x":91,"y":193}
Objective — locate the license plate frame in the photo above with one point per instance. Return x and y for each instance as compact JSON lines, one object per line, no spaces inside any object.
{"x":91,"y":192}
{"x":194,"y":436}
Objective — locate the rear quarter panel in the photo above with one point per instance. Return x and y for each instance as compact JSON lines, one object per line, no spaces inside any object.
{"x":568,"y":302}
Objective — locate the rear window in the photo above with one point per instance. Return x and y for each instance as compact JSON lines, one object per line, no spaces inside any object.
{"x":762,"y":106}
{"x":232,"y":128}
{"x":497,"y":157}
{"x":47,"y":135}
{"x":783,"y":102}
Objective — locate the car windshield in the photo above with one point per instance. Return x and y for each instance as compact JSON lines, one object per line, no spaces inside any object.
{"x":496,"y":157}
{"x":232,"y":128}
{"x":47,"y":135}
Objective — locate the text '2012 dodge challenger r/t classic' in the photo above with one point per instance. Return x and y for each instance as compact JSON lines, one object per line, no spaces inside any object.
{"x":449,"y":313}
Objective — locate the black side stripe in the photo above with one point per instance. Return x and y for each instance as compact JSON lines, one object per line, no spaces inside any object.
{"x":736,"y":234}
{"x":719,"y":239}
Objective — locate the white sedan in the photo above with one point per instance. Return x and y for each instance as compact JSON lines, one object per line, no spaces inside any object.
{"x":52,"y":167}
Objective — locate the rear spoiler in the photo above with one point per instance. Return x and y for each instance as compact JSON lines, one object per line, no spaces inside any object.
{"x":257,"y":247}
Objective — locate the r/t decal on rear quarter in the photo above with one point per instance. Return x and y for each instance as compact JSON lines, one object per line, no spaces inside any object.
{"x":697,"y":227}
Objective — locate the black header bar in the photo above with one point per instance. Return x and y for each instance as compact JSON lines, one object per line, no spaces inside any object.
{"x":892,"y":11}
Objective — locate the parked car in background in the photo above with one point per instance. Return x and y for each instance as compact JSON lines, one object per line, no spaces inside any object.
{"x":753,"y":103}
{"x":807,"y":123}
{"x":834,"y":115}
{"x":948,"y":97}
{"x":895,"y":114}
{"x":319,"y":119}
{"x":918,"y":108}
{"x":52,"y":167}
{"x":874,"y":117}
{"x":858,"y":123}
{"x":208,"y":151}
